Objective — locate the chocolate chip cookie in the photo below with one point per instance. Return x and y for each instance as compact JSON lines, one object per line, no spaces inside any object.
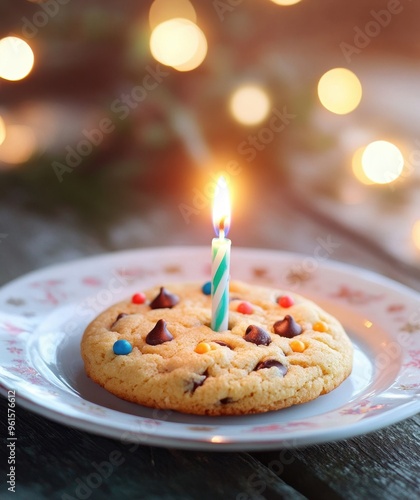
{"x":158,"y":350}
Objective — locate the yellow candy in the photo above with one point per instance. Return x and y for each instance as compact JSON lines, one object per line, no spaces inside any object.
{"x":297,"y":346}
{"x":320,"y":327}
{"x":202,"y":348}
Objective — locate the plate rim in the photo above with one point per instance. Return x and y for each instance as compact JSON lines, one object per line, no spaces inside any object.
{"x":408,"y":408}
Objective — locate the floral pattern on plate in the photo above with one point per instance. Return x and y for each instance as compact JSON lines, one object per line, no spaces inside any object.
{"x":43,"y":315}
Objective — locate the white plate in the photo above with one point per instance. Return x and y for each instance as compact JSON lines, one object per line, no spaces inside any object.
{"x":43,"y":315}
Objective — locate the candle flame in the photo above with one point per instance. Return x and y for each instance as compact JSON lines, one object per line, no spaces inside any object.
{"x":221,"y":208}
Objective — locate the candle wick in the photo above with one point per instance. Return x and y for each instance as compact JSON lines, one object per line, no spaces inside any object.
{"x":222,"y":228}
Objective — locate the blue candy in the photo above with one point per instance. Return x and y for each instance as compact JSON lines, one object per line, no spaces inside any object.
{"x":206,"y":288}
{"x":122,"y":347}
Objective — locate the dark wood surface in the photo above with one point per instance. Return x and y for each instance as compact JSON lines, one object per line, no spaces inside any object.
{"x":58,"y":462}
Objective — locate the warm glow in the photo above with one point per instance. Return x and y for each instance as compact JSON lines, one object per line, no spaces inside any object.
{"x":197,"y":58}
{"x":250,"y":105}
{"x":221,"y":208}
{"x":286,"y":2}
{"x":382,"y":162}
{"x":18,"y":146}
{"x":357,"y":167}
{"x":2,"y":131}
{"x":175,"y":42}
{"x":163,"y":10}
{"x":16,"y":58}
{"x":340,"y":91}
{"x":416,"y":234}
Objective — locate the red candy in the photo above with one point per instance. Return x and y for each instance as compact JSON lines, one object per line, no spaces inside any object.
{"x":285,"y":301}
{"x":138,"y":298}
{"x":245,"y":308}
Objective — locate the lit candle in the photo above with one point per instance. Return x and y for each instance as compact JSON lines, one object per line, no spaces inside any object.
{"x":220,"y":258}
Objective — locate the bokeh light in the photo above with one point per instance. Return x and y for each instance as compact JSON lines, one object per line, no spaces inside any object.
{"x":249,"y":104}
{"x":340,"y":91}
{"x":163,"y":10}
{"x":2,"y":131}
{"x":357,"y":167}
{"x":19,"y":145}
{"x":382,"y":162}
{"x":197,"y":58}
{"x":416,"y":234}
{"x":16,"y":58}
{"x":175,"y":42}
{"x":286,"y":2}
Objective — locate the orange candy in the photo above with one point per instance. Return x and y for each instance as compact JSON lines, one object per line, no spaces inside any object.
{"x":297,"y":346}
{"x":202,"y":348}
{"x":320,"y":327}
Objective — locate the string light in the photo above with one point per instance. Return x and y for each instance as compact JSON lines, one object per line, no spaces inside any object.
{"x":249,"y":104}
{"x":19,"y":145}
{"x":163,"y":10}
{"x":175,"y":42}
{"x":197,"y":58}
{"x":340,"y":91}
{"x":16,"y":58}
{"x":382,"y":162}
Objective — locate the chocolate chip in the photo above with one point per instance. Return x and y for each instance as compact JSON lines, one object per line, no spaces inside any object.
{"x":223,"y":344}
{"x":287,"y":327}
{"x":257,"y":335}
{"x":225,"y":401}
{"x":272,"y":362}
{"x":164,"y":299}
{"x":201,"y":382}
{"x":121,"y":315}
{"x":159,"y":334}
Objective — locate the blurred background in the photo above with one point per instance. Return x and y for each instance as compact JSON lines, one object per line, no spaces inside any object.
{"x":116,"y":119}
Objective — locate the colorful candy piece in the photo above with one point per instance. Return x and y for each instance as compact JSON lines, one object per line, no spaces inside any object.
{"x":138,"y":298}
{"x":287,"y":327}
{"x":285,"y":301}
{"x":202,"y":348}
{"x":245,"y":308}
{"x":159,"y":334}
{"x":122,"y":347}
{"x":257,"y":335}
{"x":297,"y":346}
{"x":270,"y":363}
{"x":164,"y":299}
{"x":206,"y":288}
{"x":319,"y":327}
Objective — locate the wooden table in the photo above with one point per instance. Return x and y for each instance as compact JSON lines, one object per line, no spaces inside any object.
{"x":58,"y":462}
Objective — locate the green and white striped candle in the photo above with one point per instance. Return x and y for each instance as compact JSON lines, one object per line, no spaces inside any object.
{"x":220,"y":268}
